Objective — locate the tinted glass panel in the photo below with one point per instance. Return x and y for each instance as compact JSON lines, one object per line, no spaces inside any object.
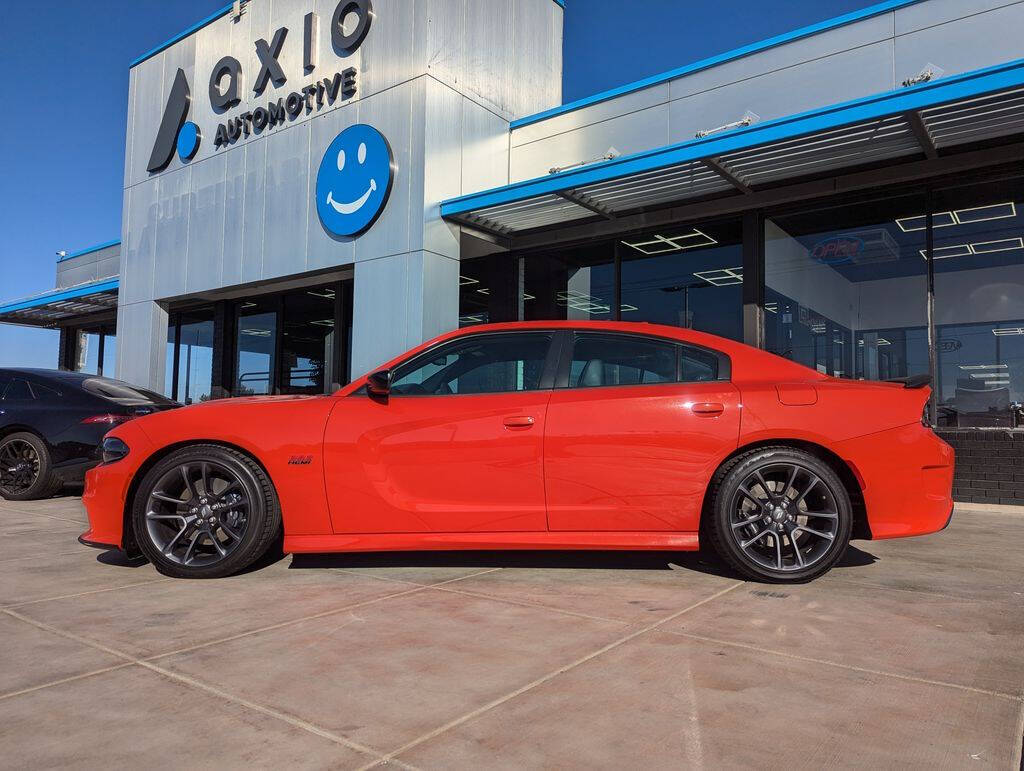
{"x":845,"y":288}
{"x":307,"y":342}
{"x":109,"y":355}
{"x":257,"y":332}
{"x":42,"y":391}
{"x":690,"y":276}
{"x":573,"y":283}
{"x":87,"y":354}
{"x":488,"y":364}
{"x":121,"y":393}
{"x":979,"y":305}
{"x":18,"y":389}
{"x":609,"y":360}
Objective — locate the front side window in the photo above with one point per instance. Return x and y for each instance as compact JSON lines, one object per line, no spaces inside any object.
{"x":476,"y":365}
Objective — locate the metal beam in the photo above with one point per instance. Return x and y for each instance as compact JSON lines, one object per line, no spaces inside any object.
{"x":483,"y":227}
{"x":924,"y":138}
{"x":716,"y":165}
{"x":734,"y":204}
{"x":572,"y":196}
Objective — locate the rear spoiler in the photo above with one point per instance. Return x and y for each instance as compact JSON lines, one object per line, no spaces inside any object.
{"x":914,"y":381}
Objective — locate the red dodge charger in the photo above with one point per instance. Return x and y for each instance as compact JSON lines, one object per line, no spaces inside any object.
{"x":537,"y":435}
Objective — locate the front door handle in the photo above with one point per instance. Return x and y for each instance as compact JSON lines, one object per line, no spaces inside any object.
{"x":519,"y":421}
{"x":708,"y":409}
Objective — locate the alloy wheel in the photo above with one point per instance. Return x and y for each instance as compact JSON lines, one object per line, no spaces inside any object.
{"x":19,"y":466}
{"x":198,"y":513}
{"x":784,"y":517}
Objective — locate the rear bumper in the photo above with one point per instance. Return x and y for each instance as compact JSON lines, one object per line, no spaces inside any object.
{"x":906,"y":477}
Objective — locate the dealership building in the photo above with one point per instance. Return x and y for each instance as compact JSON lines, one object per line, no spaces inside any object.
{"x":313,"y":186}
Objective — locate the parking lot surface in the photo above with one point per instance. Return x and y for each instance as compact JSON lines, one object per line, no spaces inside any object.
{"x":909,"y":654}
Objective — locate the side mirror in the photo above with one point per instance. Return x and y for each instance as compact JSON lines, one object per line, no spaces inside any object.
{"x":379,"y":383}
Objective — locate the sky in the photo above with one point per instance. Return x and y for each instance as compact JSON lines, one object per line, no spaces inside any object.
{"x":66,"y":66}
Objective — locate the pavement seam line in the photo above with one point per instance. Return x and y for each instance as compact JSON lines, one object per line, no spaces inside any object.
{"x":850,"y":667}
{"x":529,"y":604}
{"x":392,"y":755}
{"x":5,"y":560}
{"x":192,"y":682}
{"x":64,"y":680}
{"x":42,"y":514}
{"x":414,"y":590}
{"x":84,"y":594}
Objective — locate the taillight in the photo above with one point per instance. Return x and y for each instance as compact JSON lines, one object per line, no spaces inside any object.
{"x":109,"y":419}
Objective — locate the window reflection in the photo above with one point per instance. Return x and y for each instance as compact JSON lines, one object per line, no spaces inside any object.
{"x":193,"y":354}
{"x":688,"y":277}
{"x":845,"y":289}
{"x":979,"y":304}
{"x":256,"y":345}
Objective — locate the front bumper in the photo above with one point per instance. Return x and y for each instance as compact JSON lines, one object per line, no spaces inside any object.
{"x":106,"y":490}
{"x":906,"y":476}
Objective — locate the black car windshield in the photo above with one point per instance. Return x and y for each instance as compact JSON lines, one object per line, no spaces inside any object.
{"x":122,"y":393}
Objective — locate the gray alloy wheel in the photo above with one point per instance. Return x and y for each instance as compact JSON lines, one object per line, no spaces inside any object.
{"x":780,"y":514}
{"x":25,"y":468}
{"x":204,"y":512}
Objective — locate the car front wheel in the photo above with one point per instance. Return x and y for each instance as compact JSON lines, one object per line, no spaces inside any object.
{"x":205,"y":511}
{"x":779,"y":514}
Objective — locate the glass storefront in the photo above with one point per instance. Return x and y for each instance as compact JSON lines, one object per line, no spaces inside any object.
{"x":688,"y":277}
{"x":845,"y":289}
{"x":189,"y":369}
{"x":979,"y":304}
{"x":95,"y":350}
{"x":256,"y":347}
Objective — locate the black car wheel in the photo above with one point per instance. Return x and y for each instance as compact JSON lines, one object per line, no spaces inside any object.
{"x":25,"y":468}
{"x":779,"y":515}
{"x":204,"y":512}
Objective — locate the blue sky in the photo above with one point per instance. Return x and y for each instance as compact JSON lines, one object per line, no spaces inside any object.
{"x":62,"y":137}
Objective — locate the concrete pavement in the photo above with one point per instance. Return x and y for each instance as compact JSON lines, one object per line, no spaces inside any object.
{"x":909,"y":654}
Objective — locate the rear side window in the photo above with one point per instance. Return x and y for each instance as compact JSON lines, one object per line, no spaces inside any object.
{"x":615,"y":360}
{"x":17,"y":389}
{"x":121,"y":393}
{"x":42,"y":391}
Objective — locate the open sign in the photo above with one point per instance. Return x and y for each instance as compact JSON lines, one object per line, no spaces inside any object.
{"x":837,"y":250}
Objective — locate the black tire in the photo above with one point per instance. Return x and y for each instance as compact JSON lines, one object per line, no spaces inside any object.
{"x":262,"y":518}
{"x":43,"y":482}
{"x":822,"y":518}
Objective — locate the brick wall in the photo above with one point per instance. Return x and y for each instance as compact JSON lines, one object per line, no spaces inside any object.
{"x":989,"y":465}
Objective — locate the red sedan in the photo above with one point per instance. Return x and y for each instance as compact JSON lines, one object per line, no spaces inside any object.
{"x":538,"y":435}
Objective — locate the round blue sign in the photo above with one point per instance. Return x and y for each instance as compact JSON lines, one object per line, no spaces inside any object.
{"x":354,"y":181}
{"x":188,"y":141}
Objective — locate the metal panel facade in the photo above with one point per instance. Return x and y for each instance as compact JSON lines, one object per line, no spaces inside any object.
{"x":245,"y":212}
{"x":868,"y":56}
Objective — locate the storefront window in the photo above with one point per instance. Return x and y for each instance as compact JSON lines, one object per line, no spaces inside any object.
{"x":307,"y":343}
{"x":846,"y":289}
{"x":87,"y":358}
{"x":191,"y":380}
{"x":95,"y":351}
{"x":572,"y":283}
{"x":256,"y":346}
{"x":689,"y":277}
{"x":489,"y":289}
{"x":109,"y":355}
{"x":979,"y":304}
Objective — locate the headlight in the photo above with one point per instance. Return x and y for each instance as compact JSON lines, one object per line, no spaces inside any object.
{"x":113,"y":449}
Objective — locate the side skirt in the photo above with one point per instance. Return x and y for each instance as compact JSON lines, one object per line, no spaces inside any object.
{"x":311,"y":544}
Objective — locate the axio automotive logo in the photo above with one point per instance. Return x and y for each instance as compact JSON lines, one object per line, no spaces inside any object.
{"x":175,"y":131}
{"x":354,"y":181}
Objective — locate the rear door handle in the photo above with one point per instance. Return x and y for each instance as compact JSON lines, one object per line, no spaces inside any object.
{"x":519,"y":421}
{"x":708,"y":409}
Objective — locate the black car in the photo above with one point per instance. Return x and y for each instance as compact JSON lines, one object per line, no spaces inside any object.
{"x":52,"y":423}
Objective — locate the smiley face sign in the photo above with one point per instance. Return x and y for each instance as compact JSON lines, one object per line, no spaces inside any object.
{"x":354,"y":181}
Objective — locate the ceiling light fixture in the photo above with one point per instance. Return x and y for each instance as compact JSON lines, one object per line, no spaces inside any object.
{"x":984,"y":366}
{"x":941,"y":219}
{"x":995,"y":211}
{"x":978,"y":247}
{"x":466,"y":281}
{"x":723,"y":277}
{"x":665,"y":244}
{"x":1007,"y":331}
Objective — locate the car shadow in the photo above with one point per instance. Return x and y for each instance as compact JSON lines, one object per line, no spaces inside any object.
{"x":549,"y":560}
{"x":698,"y":561}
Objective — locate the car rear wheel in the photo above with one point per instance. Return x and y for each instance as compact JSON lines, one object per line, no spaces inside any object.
{"x":204,"y":512}
{"x":26,"y":471}
{"x":779,"y":515}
